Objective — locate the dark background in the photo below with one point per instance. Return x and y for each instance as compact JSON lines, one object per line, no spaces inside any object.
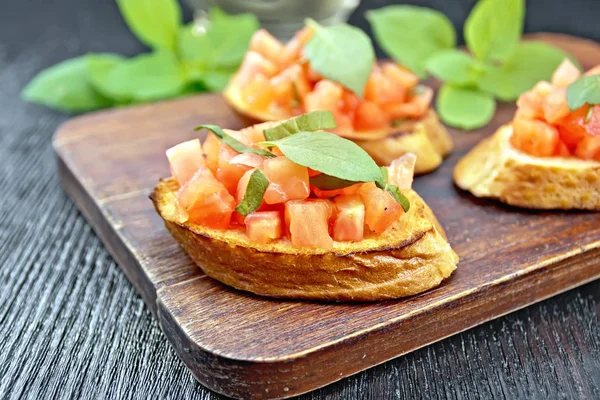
{"x":71,"y":325}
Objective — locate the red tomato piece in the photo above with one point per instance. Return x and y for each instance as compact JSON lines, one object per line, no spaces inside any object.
{"x":381,"y":209}
{"x":264,"y":43}
{"x":308,"y":223}
{"x":555,"y":105}
{"x":211,"y":149}
{"x":402,"y":76}
{"x":292,"y":51}
{"x":565,"y":74}
{"x":381,"y":90}
{"x":402,"y":171}
{"x":562,"y":150}
{"x":185,"y":159}
{"x":534,"y":137}
{"x":242,"y":185}
{"x":416,"y":106}
{"x":263,"y":226}
{"x":349,"y":223}
{"x":227,"y":173}
{"x":291,"y":86}
{"x":530,"y":103}
{"x":589,"y":148}
{"x":252,"y":160}
{"x":254,"y":64}
{"x":206,"y":201}
{"x":370,"y":115}
{"x":259,"y":93}
{"x":287,"y":180}
{"x":326,"y":95}
{"x":576,"y":126}
{"x":312,"y":75}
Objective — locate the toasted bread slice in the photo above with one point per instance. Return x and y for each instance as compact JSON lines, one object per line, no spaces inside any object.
{"x":494,"y":168}
{"x":427,"y":138}
{"x":410,"y":257}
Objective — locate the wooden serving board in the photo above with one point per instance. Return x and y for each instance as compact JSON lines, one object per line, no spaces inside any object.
{"x":251,"y":347}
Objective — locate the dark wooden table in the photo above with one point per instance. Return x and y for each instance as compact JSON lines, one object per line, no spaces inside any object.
{"x":71,"y":325}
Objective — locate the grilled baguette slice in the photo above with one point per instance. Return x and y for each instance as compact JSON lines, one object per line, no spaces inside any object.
{"x":410,"y":257}
{"x":494,"y":168}
{"x":427,"y":138}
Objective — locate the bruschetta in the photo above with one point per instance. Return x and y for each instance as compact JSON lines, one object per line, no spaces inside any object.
{"x":287,"y":238}
{"x":276,"y":82}
{"x":548,"y":157}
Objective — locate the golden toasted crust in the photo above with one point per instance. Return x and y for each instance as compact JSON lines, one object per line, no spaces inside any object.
{"x":496,"y":169}
{"x":410,"y":257}
{"x":427,"y":138}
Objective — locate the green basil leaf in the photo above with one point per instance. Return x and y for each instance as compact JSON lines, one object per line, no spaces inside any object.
{"x":494,"y":28}
{"x":98,"y":68}
{"x":530,"y":63}
{"x":154,"y":22}
{"x":400,"y":198}
{"x":257,"y":186}
{"x":146,"y":77}
{"x":216,"y":81}
{"x":193,"y":45}
{"x":411,"y":35}
{"x":385,"y":174}
{"x":232,"y":142}
{"x":584,"y":90}
{"x":328,"y":182}
{"x":309,"y":122}
{"x":65,"y":86}
{"x":229,"y":37}
{"x":452,"y":66}
{"x":330,"y":154}
{"x":465,"y":108}
{"x":341,"y":53}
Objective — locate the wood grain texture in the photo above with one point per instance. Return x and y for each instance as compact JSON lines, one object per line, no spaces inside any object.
{"x":246,"y":346}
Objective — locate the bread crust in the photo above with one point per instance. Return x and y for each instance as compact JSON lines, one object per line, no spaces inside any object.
{"x":427,"y":138}
{"x":410,"y":257}
{"x":495,"y":169}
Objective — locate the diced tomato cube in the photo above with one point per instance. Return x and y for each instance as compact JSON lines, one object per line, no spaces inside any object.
{"x":242,"y":185}
{"x":211,"y":148}
{"x":402,"y":170}
{"x":349,"y":223}
{"x":555,"y":105}
{"x":185,"y":159}
{"x":227,"y":173}
{"x":381,"y":209}
{"x":259,"y":93}
{"x":370,"y":115}
{"x":562,"y":150}
{"x":534,"y":137}
{"x":565,"y":74}
{"x":308,"y":223}
{"x":530,"y":103}
{"x":291,"y":86}
{"x":264,"y":43}
{"x":292,"y":51}
{"x":381,"y":90}
{"x":589,"y":148}
{"x":312,"y":75}
{"x":252,"y":160}
{"x":574,"y":127}
{"x":416,"y":106}
{"x":400,"y":75}
{"x":254,"y":64}
{"x":263,"y":226}
{"x":206,"y":201}
{"x":326,"y":95}
{"x":287,"y":180}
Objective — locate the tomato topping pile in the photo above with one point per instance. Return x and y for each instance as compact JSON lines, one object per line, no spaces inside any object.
{"x":213,"y":178}
{"x":544,"y":126}
{"x":277,"y":79}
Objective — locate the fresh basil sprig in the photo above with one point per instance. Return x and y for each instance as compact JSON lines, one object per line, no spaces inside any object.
{"x":341,"y":53}
{"x":328,"y":182}
{"x":255,"y":191}
{"x":312,"y":121}
{"x":585,"y":90}
{"x":499,"y":64}
{"x":182,"y":61}
{"x":232,"y":142}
